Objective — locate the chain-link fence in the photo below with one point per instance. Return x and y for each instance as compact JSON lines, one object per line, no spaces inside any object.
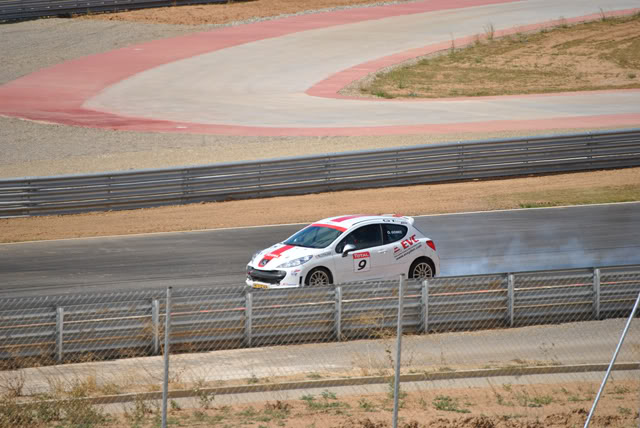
{"x":512,"y":349}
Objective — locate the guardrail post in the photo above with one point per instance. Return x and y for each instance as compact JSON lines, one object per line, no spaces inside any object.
{"x":338,"y":314}
{"x":108,"y":205}
{"x":29,"y":192}
{"x":590,"y":145}
{"x":248,"y":318}
{"x":327,"y":167}
{"x":59,"y":333}
{"x":460,"y":159}
{"x":185,"y":186}
{"x":155,"y":325}
{"x":259,"y":178}
{"x":596,"y":293}
{"x":396,"y":160}
{"x":425,"y":307}
{"x":510,"y":299}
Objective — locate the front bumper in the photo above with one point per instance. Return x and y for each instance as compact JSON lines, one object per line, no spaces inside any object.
{"x":281,"y":278}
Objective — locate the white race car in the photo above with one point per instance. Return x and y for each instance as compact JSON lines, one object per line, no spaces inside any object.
{"x":343,"y":249}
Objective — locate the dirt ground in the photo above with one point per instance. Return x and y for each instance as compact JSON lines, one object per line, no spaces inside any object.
{"x":226,"y":13}
{"x":555,"y":190}
{"x":501,"y":406}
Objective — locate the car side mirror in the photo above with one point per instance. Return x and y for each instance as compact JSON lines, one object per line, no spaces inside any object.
{"x":347,"y":249}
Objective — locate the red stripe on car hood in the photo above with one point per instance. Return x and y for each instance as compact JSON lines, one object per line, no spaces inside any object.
{"x":278,"y":252}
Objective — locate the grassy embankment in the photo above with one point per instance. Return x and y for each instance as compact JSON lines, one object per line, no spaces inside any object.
{"x":598,"y":55}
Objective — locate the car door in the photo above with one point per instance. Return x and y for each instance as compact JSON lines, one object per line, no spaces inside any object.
{"x":365,"y":262}
{"x":393,"y":235}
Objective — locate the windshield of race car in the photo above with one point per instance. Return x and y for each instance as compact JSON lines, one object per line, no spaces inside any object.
{"x":314,"y":237}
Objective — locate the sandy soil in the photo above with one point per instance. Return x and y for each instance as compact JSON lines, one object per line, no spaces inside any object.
{"x":226,"y":13}
{"x":503,"y":406}
{"x":592,"y":187}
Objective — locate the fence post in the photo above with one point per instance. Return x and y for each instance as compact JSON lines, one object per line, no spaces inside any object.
{"x":155,"y":325}
{"x":165,"y":381}
{"x":596,"y":293}
{"x":59,"y":333}
{"x":248,"y":318}
{"x":613,"y":360}
{"x":337,"y":322}
{"x":396,"y":384}
{"x":425,"y":306}
{"x":510,"y":299}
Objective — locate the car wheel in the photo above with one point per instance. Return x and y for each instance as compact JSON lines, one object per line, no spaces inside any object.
{"x":318,"y":277}
{"x":421,"y":268}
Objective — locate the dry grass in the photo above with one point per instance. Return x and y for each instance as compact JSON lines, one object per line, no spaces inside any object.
{"x":598,"y":55}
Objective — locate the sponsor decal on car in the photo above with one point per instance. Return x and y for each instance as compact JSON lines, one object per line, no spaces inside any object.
{"x":361,"y":261}
{"x":325,"y":254}
{"x":407,"y":246}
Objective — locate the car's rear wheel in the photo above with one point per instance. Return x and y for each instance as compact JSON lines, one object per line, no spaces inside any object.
{"x":421,"y":268}
{"x":318,"y":277}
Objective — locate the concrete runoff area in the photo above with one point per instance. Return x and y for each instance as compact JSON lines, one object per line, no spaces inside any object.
{"x":206,"y":82}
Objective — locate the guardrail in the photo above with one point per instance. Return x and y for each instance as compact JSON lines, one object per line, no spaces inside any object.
{"x":63,"y":328}
{"x":28,"y":9}
{"x":309,"y":174}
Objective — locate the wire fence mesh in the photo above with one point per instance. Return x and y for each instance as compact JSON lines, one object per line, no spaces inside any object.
{"x":512,"y":349}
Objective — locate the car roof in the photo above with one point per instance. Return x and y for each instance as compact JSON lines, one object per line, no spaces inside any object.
{"x":347,"y":221}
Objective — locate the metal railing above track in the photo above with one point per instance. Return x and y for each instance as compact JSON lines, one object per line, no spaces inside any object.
{"x":29,"y":9}
{"x":434,"y":163}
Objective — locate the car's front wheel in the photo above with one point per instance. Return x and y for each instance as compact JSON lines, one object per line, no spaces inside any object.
{"x":421,"y":268}
{"x":318,"y":277}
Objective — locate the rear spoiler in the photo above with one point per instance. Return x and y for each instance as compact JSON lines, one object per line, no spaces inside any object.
{"x":404,"y":217}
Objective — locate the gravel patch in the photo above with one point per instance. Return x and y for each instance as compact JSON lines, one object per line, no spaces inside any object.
{"x":39,"y":149}
{"x":33,"y":45}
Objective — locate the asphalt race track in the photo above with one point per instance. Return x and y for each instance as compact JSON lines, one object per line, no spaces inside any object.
{"x":468,"y":243}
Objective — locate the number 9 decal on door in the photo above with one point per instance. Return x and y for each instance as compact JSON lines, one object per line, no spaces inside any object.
{"x":361,"y":262}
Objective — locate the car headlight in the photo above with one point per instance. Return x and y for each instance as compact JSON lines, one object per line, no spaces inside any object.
{"x":295,"y":262}
{"x":254,"y":257}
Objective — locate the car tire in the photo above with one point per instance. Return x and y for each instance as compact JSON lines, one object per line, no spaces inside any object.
{"x":421,"y":268}
{"x":318,"y":277}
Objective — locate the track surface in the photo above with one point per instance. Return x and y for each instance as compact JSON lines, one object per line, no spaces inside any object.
{"x":468,"y":243}
{"x":210,"y":83}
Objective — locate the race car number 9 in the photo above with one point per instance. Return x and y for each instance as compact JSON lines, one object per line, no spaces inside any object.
{"x":361,"y":262}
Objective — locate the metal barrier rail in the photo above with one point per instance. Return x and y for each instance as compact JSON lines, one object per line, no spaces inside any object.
{"x":299,"y":175}
{"x":27,"y":9}
{"x":59,"y":328}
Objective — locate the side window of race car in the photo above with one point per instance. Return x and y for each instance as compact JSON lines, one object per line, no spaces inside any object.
{"x":363,"y":237}
{"x":393,"y":232}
